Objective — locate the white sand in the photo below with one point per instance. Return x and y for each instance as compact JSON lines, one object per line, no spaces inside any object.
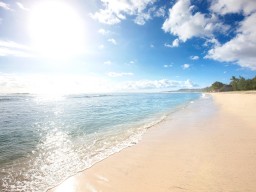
{"x":208,"y":146}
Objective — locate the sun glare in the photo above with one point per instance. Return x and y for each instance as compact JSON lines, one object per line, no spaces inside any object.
{"x":56,"y":29}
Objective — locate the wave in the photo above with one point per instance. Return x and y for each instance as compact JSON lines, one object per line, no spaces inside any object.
{"x":43,"y":181}
{"x":131,"y":141}
{"x":99,"y":133}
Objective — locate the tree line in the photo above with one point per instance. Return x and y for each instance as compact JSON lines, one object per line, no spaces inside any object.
{"x":236,"y":84}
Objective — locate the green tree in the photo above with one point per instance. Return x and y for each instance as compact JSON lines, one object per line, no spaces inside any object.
{"x":234,"y":82}
{"x":216,"y":86}
{"x":253,"y":83}
{"x":241,"y":84}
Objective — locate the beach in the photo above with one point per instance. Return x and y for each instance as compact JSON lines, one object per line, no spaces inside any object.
{"x":210,"y":145}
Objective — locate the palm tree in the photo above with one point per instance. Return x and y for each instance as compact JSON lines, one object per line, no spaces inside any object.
{"x":234,"y":83}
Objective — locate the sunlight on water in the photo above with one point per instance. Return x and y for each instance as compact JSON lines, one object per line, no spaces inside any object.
{"x":44,"y":140}
{"x":54,"y":153}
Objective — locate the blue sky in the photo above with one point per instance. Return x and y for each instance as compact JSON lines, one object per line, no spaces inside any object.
{"x":124,"y":45}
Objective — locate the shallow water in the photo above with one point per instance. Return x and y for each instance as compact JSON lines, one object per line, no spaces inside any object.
{"x":44,"y":140}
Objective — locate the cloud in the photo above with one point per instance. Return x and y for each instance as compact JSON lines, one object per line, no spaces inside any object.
{"x":10,"y":48}
{"x":242,"y":48}
{"x":12,"y":44}
{"x":185,"y":24}
{"x":224,"y":7}
{"x":152,"y":45}
{"x":212,"y":41}
{"x":106,"y":17}
{"x":103,"y":32}
{"x":21,"y":6}
{"x":114,"y":11}
{"x":185,"y":66}
{"x":112,"y":41}
{"x":194,"y":57}
{"x":142,"y":18}
{"x":162,"y":84}
{"x":168,"y":45}
{"x":107,"y":62}
{"x":115,"y":74}
{"x":175,"y":43}
{"x":160,"y":12}
{"x":5,"y":6}
{"x":52,"y":84}
{"x":68,"y":84}
{"x":167,"y":66}
{"x":10,"y":83}
{"x":101,"y":47}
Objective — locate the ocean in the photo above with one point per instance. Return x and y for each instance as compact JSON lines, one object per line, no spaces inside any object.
{"x":44,"y":140}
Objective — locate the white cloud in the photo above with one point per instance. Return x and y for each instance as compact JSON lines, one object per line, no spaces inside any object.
{"x":10,"y":48}
{"x":194,"y":57}
{"x":68,"y":84}
{"x":142,"y":18}
{"x":185,"y":66}
{"x":168,"y":45}
{"x":112,"y":41}
{"x":175,"y":43}
{"x":121,"y":74}
{"x":115,"y":11}
{"x":167,"y":66}
{"x":229,"y":6}
{"x":185,"y":24}
{"x":11,"y":83}
{"x":5,"y":6}
{"x":107,"y":62}
{"x":21,"y":6}
{"x":242,"y":48}
{"x":189,"y":84}
{"x":52,"y":84}
{"x":163,"y":84}
{"x":101,"y":47}
{"x":212,"y":41}
{"x":12,"y":44}
{"x":105,"y":16}
{"x":103,"y":32}
{"x":132,"y":62}
{"x":160,"y":12}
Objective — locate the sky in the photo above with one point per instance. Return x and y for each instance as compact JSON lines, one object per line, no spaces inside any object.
{"x":64,"y":46}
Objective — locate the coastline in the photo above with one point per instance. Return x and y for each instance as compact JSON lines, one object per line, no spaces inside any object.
{"x":208,"y":146}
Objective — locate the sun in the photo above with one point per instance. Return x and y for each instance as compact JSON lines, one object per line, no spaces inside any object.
{"x":56,"y":29}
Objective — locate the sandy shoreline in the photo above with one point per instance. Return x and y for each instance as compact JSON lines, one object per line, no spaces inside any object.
{"x":208,"y":146}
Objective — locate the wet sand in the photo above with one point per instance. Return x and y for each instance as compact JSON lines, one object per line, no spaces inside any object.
{"x":208,"y":146}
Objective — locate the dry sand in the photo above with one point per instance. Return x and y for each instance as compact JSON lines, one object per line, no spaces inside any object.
{"x":209,"y":146}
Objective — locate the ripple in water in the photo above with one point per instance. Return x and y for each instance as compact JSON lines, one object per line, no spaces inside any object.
{"x":43,"y":141}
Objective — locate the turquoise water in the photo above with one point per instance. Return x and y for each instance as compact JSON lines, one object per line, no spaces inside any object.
{"x":44,"y":140}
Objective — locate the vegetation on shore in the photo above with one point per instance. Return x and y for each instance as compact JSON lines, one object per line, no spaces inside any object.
{"x":236,"y":84}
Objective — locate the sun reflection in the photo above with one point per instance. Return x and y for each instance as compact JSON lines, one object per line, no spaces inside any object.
{"x":57,"y":157}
